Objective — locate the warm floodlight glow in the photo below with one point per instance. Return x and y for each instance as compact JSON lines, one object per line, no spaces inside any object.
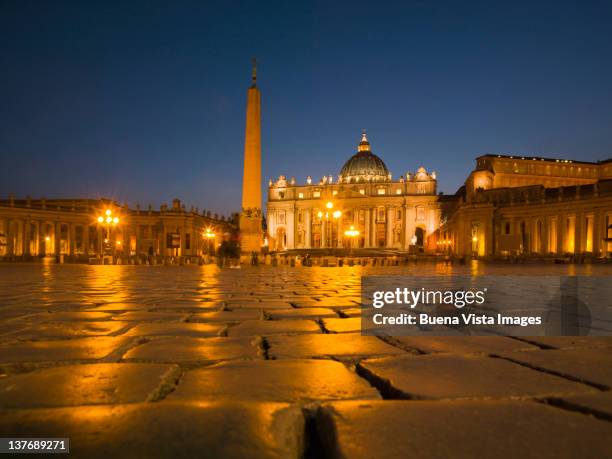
{"x":208,"y":233}
{"x":337,"y":214}
{"x":320,"y":214}
{"x":108,"y":212}
{"x":47,"y":238}
{"x":474,"y":239}
{"x":109,"y":219}
{"x":351,"y":232}
{"x":118,"y":242}
{"x":100,"y":219}
{"x":116,"y":220}
{"x":329,"y":205}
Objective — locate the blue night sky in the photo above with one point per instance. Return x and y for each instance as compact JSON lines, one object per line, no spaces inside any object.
{"x":144,"y":101}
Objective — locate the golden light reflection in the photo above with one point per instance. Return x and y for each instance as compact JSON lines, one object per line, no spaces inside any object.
{"x":106,"y":284}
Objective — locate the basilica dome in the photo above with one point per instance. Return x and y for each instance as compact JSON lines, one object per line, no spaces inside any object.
{"x":364,"y":165}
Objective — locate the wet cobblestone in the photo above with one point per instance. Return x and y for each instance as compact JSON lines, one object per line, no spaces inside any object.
{"x":269,"y":362}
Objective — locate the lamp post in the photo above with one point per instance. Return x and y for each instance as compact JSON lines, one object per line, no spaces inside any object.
{"x":209,"y":235}
{"x":351,"y":233}
{"x":108,"y":220}
{"x":335,"y":215}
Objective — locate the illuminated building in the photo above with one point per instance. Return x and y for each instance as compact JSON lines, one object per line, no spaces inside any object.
{"x":531,"y":206}
{"x":388,"y":214}
{"x":78,"y":230}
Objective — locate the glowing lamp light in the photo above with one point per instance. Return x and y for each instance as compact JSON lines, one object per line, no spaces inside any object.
{"x":100,"y":219}
{"x":118,"y":242}
{"x":116,"y":220}
{"x":329,"y":205}
{"x":337,"y":214}
{"x":47,"y":238}
{"x":475,"y":239}
{"x":108,"y":212}
{"x":351,"y":232}
{"x":320,"y":214}
{"x":109,"y":219}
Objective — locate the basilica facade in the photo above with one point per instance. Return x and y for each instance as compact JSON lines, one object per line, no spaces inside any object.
{"x":363,"y":207}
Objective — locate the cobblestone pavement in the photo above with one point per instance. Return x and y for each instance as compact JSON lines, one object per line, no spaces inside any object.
{"x":269,"y":363}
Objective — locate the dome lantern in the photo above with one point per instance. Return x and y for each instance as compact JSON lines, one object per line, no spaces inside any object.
{"x":364,"y":165}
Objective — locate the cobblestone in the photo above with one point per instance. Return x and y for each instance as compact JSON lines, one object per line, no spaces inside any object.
{"x":276,"y":380}
{"x":269,"y":362}
{"x":461,"y":429}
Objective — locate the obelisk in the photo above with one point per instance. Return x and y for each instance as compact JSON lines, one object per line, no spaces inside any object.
{"x":251,"y":234}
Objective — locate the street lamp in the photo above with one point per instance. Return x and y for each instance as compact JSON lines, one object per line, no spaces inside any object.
{"x":209,"y":235}
{"x":108,"y":220}
{"x":352,"y":233}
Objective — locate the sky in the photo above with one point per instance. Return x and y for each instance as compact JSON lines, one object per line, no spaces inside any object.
{"x":144,"y":101}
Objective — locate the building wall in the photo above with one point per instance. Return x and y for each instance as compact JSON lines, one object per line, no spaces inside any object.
{"x":497,"y":171}
{"x":33,"y":228}
{"x":532,"y":220}
{"x":386,"y":214}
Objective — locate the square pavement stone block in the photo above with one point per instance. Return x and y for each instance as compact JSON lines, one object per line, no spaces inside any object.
{"x":254,"y":303}
{"x":62,"y":350}
{"x":161,"y":430}
{"x":349,"y":324}
{"x":302,"y":313}
{"x":88,"y":384}
{"x":112,"y":307}
{"x":186,"y":349}
{"x":175,"y":329}
{"x":463,"y":344}
{"x":151,"y":316}
{"x":231,"y":315}
{"x":593,"y":365}
{"x":564,"y":342}
{"x":65,"y":330}
{"x":274,"y":380}
{"x":352,"y":312}
{"x":451,"y":376}
{"x":460,"y":429}
{"x":341,"y":303}
{"x":273,"y":327}
{"x":341,"y":345}
{"x":70,"y":316}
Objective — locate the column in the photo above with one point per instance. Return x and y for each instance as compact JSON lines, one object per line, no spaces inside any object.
{"x":368,"y":230}
{"x":57,"y":238}
{"x":291,"y":215}
{"x":390,"y":219}
{"x":86,"y":240}
{"x":42,"y":229}
{"x":579,"y":243}
{"x":596,"y":231}
{"x":323,"y":233}
{"x":410,"y":224}
{"x":307,"y":241}
{"x":72,"y":239}
{"x":561,"y":236}
{"x":101,"y":235}
{"x":26,"y":237}
{"x":10,"y":238}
